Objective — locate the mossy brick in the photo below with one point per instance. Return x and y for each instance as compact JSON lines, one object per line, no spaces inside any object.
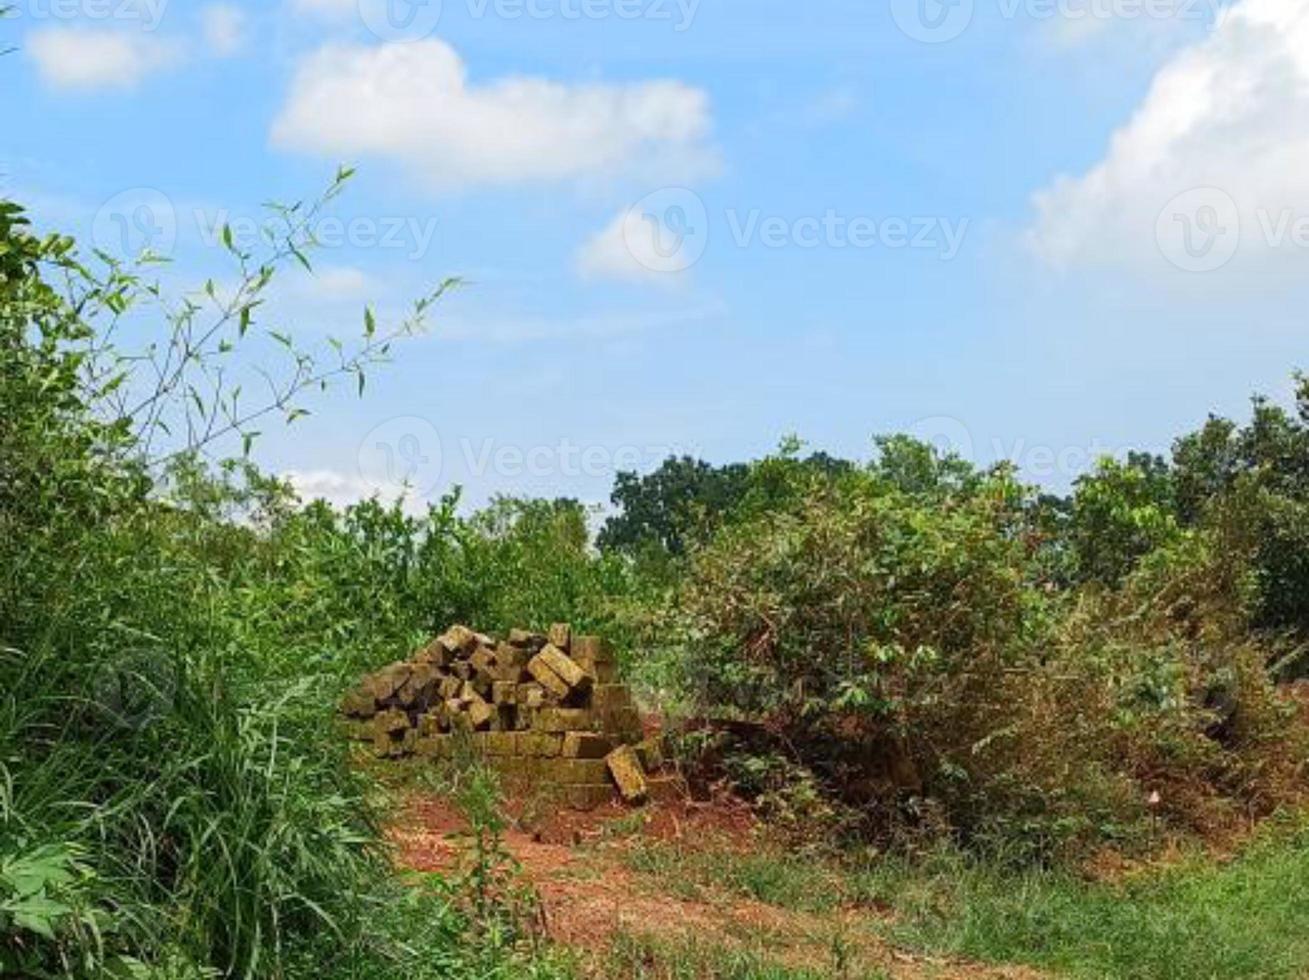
{"x":358,"y":731}
{"x":651,"y":753}
{"x":449,"y":687}
{"x":390,"y":722}
{"x":539,"y":745}
{"x":586,"y":745}
{"x":434,"y":747}
{"x":459,"y":640}
{"x":561,"y":636}
{"x":495,"y":743}
{"x":420,"y":688}
{"x":482,"y":659}
{"x":480,"y":714}
{"x":527,"y":640}
{"x":510,"y":660}
{"x":359,"y":703}
{"x":625,"y":768}
{"x":520,"y":768}
{"x":460,"y":722}
{"x":561,"y":720}
{"x":611,"y":697}
{"x":578,"y":680}
{"x":531,"y":695}
{"x":384,"y":684}
{"x":544,"y":675}
{"x":573,"y":772}
{"x":435,"y":653}
{"x":624,"y":725}
{"x":595,"y":656}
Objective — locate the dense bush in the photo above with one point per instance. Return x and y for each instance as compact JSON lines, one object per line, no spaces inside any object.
{"x":896,"y":632}
{"x":913,"y":646}
{"x":174,"y":800}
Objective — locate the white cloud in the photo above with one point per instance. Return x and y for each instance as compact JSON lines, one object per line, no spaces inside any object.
{"x":76,"y":59}
{"x":624,"y":250}
{"x":655,"y":241}
{"x":413,"y":103}
{"x":340,"y":282}
{"x":340,"y":489}
{"x":1216,"y":154}
{"x":224,"y":29}
{"x":326,"y":286}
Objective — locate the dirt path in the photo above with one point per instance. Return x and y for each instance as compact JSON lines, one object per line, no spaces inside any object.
{"x":591,"y":896}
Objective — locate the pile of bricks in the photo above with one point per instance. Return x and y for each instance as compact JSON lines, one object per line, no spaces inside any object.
{"x":545,"y":709}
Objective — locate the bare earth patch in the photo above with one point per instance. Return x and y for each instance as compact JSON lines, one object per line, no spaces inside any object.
{"x":590,"y":896}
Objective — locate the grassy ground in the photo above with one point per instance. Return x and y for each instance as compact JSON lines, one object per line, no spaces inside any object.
{"x":1244,"y":917}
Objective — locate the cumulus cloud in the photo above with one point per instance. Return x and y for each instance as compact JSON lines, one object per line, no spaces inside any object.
{"x":413,"y":103}
{"x":223,"y":26}
{"x":1216,"y":157}
{"x":76,"y":59}
{"x":624,"y":250}
{"x":656,"y":240}
{"x":340,"y":489}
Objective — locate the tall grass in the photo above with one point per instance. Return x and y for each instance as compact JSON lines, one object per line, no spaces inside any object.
{"x":1243,"y":919}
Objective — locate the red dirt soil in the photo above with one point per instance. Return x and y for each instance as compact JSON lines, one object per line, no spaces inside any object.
{"x":589,"y":895}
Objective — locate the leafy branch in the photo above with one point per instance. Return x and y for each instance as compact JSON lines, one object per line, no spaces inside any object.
{"x":186,"y":392}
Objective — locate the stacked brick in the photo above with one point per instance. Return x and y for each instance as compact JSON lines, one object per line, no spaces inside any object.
{"x":545,"y":709}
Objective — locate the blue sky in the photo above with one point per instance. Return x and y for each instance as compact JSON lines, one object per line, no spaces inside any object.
{"x":1041,"y":229}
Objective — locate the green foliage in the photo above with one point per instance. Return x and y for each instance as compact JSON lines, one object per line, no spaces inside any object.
{"x":898,"y":644}
{"x":670,"y":507}
{"x":174,"y":800}
{"x":1120,"y":513}
{"x":1197,"y":919}
{"x":683,"y":502}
